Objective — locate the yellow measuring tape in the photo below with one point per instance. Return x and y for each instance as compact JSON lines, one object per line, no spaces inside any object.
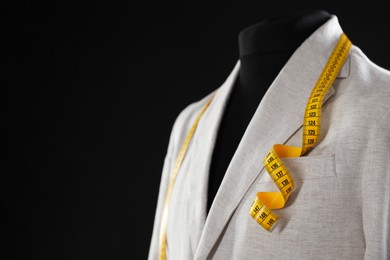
{"x":265,"y":202}
{"x":178,"y":162}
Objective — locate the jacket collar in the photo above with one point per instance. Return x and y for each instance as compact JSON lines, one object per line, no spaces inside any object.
{"x":278,"y":116}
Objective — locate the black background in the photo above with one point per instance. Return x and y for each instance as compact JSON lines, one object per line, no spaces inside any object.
{"x":89,"y":96}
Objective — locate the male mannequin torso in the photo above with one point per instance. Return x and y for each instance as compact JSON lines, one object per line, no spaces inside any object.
{"x":264,"y":49}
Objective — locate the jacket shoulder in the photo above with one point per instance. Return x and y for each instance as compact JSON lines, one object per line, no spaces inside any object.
{"x":186,"y":118}
{"x":367,"y":88}
{"x":369,"y":73}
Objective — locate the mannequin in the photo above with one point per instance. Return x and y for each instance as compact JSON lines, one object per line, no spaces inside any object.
{"x":264,"y":48}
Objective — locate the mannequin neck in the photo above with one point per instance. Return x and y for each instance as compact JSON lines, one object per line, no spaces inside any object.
{"x":265,"y":47}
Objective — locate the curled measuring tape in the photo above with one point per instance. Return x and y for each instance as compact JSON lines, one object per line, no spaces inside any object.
{"x":265,"y":202}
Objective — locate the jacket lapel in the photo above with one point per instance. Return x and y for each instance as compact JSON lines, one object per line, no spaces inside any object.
{"x":278,"y":116}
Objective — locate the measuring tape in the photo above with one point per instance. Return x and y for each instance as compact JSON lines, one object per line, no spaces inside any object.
{"x":265,"y":202}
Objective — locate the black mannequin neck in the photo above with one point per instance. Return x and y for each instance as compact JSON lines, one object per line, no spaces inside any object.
{"x":264,"y":48}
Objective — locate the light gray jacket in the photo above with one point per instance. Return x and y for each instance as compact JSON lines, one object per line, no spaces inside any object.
{"x":340,"y":208}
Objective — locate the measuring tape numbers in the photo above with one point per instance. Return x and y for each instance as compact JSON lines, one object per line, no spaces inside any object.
{"x":264,"y":203}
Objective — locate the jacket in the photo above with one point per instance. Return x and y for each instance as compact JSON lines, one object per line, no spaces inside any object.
{"x":340,"y":208}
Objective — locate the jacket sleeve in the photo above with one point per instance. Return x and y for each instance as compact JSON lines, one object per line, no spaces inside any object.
{"x":376,"y":193}
{"x":178,"y":132}
{"x":154,"y":243}
{"x":184,"y":121}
